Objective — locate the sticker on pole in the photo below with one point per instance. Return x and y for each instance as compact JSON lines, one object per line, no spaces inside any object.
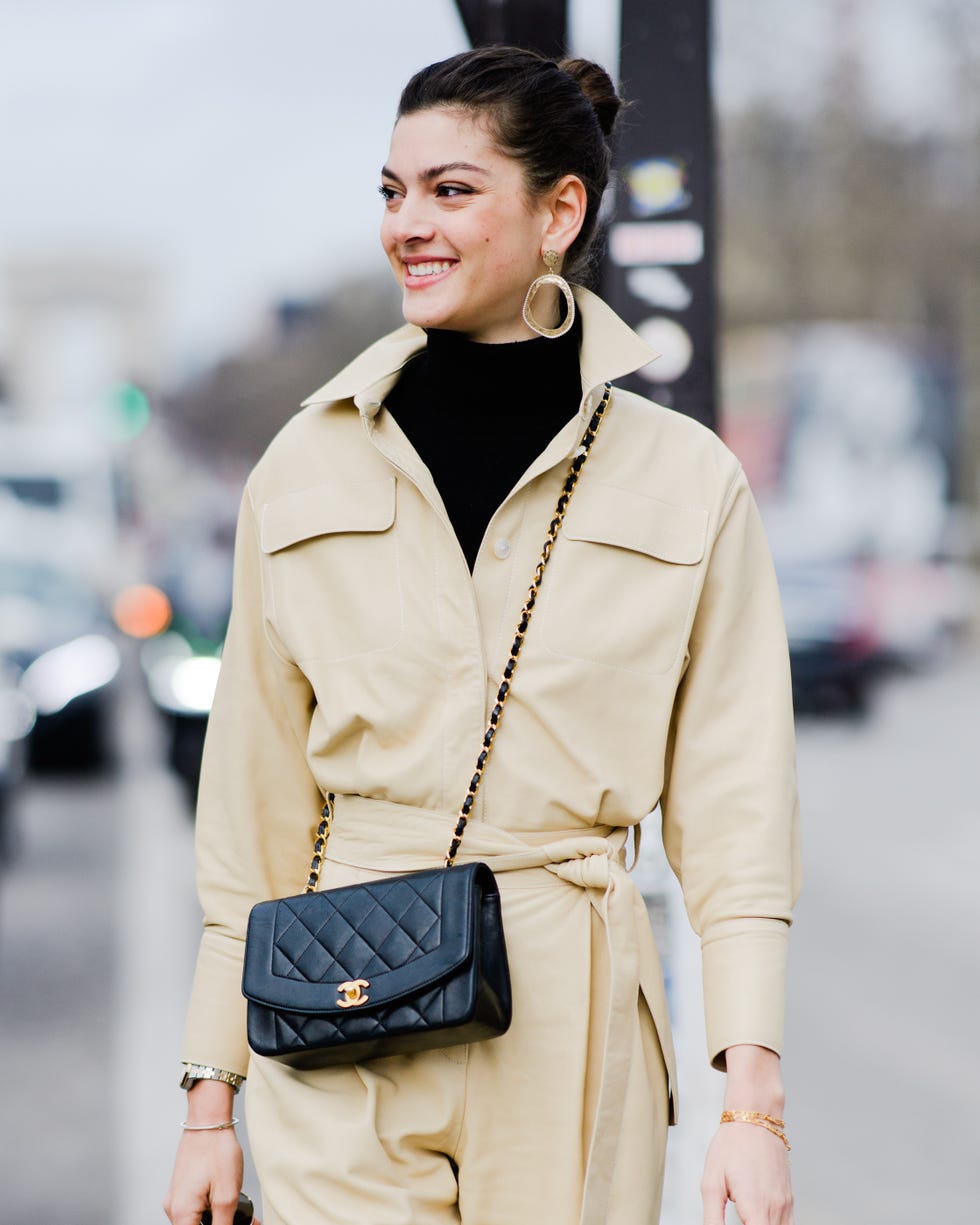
{"x":657,"y":185}
{"x":632,"y":243}
{"x":659,"y":287}
{"x":674,"y":345}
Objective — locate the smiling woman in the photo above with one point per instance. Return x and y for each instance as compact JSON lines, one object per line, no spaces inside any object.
{"x":385,"y":546}
{"x":463,"y":237}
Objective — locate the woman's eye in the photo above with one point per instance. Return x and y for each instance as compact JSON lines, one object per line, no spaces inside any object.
{"x":453,"y":189}
{"x":387,"y":193}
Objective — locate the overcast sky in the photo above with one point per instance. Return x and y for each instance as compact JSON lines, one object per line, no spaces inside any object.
{"x":235,"y":144}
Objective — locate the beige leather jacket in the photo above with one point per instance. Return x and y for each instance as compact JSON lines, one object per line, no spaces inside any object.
{"x":362,"y":658}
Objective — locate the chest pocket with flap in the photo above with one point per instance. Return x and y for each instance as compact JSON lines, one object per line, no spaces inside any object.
{"x":333,"y":588}
{"x":623,"y":579}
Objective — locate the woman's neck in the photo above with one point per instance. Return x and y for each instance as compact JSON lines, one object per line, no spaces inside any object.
{"x":479,"y":414}
{"x":514,"y":377}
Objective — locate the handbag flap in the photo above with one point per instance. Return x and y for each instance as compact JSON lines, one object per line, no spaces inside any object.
{"x":324,"y":953}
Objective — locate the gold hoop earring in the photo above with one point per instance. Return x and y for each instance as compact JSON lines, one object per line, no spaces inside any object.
{"x":551,"y":277}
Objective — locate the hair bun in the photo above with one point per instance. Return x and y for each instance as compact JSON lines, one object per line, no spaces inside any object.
{"x":597,"y":86}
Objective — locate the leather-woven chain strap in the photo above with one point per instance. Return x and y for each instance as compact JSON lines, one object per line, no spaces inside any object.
{"x":503,"y":690}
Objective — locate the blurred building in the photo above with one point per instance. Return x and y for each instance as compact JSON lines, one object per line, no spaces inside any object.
{"x":78,"y":326}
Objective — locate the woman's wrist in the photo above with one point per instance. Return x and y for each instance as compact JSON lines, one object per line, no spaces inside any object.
{"x":754,"y":1080}
{"x":209,"y":1102}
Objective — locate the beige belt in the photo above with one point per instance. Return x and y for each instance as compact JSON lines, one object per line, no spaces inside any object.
{"x":375,"y":834}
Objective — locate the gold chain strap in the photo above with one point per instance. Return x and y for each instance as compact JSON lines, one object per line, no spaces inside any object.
{"x":319,"y":842}
{"x":503,"y":690}
{"x":571,"y":480}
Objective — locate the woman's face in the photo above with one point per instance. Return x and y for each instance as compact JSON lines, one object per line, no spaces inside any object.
{"x":463,"y":241}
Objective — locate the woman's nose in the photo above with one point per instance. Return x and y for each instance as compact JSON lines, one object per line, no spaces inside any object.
{"x":412,"y":220}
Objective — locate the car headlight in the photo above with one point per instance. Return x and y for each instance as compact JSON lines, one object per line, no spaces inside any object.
{"x":185,"y":686}
{"x":67,"y":672}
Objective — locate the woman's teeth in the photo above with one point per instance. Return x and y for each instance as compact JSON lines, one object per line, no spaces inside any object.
{"x":430,"y":268}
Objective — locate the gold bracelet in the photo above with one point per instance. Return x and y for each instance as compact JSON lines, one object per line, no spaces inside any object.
{"x":749,"y":1116}
{"x":771,"y":1124}
{"x":209,"y":1126}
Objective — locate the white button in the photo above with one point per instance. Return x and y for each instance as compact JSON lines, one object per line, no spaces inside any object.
{"x":501,"y":548}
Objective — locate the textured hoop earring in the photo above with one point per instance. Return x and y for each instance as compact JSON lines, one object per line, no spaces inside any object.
{"x":551,"y":277}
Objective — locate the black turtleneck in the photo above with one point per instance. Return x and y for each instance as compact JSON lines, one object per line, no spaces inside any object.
{"x":480,"y":414}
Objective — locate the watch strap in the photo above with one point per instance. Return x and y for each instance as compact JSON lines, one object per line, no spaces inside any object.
{"x":194,"y":1072}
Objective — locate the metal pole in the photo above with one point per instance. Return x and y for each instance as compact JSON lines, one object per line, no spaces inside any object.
{"x":539,"y":25}
{"x":659,"y":269}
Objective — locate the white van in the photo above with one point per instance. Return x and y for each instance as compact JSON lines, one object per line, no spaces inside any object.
{"x":58,"y":497}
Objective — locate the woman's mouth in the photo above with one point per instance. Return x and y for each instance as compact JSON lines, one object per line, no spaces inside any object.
{"x":422,"y":272}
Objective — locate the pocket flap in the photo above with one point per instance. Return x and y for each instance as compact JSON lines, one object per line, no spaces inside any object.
{"x":605,"y":514}
{"x":361,"y":506}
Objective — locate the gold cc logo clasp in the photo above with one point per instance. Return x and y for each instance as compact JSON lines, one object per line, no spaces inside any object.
{"x":352,"y":993}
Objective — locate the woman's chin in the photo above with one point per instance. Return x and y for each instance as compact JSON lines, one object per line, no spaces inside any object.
{"x":428,"y":315}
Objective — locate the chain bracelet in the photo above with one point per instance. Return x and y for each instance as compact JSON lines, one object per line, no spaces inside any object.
{"x":571,"y":480}
{"x":757,"y":1118}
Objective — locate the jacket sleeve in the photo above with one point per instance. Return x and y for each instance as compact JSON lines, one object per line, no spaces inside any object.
{"x":729,"y":808}
{"x":256,"y":801}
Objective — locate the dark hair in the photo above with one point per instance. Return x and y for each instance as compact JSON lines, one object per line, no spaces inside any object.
{"x":554,"y":118}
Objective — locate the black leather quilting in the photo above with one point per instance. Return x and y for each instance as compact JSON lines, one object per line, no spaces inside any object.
{"x":370,"y":935}
{"x":428,"y":945}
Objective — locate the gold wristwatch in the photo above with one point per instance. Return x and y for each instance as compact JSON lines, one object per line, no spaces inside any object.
{"x":193,"y":1072}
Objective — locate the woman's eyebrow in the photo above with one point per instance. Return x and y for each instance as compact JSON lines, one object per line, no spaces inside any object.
{"x":434,"y":172}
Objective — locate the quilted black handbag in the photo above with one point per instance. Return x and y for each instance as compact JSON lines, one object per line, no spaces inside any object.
{"x":400,"y":963}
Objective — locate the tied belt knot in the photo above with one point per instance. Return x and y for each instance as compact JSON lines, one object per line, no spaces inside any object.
{"x":587,"y":868}
{"x":378,"y":835}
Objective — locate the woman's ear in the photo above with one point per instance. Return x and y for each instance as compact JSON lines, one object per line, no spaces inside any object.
{"x":566,"y":214}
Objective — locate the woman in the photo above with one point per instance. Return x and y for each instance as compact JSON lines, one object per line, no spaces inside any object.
{"x":385,"y":545}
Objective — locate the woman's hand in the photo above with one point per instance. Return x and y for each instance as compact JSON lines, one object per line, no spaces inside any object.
{"x":208,"y":1169}
{"x":747,"y":1164}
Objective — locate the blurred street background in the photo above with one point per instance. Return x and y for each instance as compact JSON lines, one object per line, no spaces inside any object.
{"x":188,"y":247}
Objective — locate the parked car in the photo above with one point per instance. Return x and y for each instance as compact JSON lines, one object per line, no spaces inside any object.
{"x":54,"y":631}
{"x":181,"y":664}
{"x":17,"y":717}
{"x":834,"y":648}
{"x":181,"y":675}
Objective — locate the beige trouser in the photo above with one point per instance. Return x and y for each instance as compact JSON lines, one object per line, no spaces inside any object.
{"x":502,"y":1132}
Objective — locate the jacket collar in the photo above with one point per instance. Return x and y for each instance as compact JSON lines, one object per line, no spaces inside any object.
{"x":610,"y":349}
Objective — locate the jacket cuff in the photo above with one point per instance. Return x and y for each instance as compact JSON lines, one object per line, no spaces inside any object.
{"x":215,"y":1031}
{"x":743,"y":965}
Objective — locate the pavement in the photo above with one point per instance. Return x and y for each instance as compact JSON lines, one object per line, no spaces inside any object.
{"x":98,"y":927}
{"x":882,"y":1062}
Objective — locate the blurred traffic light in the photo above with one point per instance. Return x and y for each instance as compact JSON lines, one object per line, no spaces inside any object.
{"x":142,"y":611}
{"x":129,"y":411}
